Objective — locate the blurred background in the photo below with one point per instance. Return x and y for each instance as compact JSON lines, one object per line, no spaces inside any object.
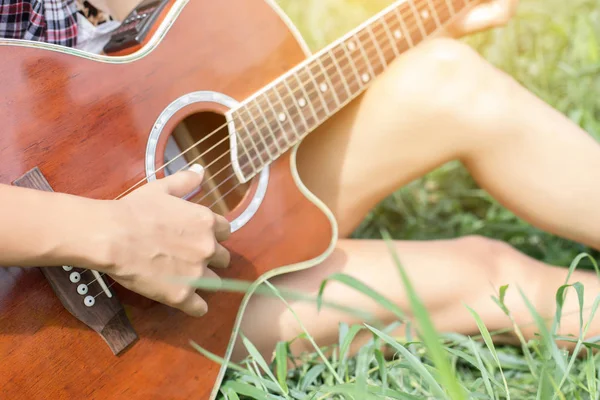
{"x":552,"y":47}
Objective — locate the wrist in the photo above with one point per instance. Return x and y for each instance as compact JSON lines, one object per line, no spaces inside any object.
{"x":86,"y":238}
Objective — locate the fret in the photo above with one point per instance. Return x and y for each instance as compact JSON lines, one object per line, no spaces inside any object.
{"x":403,"y":27}
{"x":301,"y":100}
{"x":386,"y":40}
{"x":353,"y":68}
{"x":278,"y":118}
{"x":450,"y":6}
{"x":292,"y":113}
{"x":427,"y":20}
{"x":371,"y":74}
{"x":313,"y":94}
{"x":444,"y":14}
{"x":326,"y":90}
{"x":390,"y":37}
{"x":417,"y":19}
{"x":244,"y":159}
{"x":271,"y":136}
{"x":377,"y":48}
{"x":257,"y":142}
{"x":320,"y":89}
{"x":283,"y":131}
{"x":248,"y":157}
{"x":370,"y":51}
{"x":283,"y":115}
{"x":341,"y":74}
{"x":435,"y":15}
{"x":342,"y":90}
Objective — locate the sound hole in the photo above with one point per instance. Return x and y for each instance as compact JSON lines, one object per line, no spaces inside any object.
{"x":196,"y":137}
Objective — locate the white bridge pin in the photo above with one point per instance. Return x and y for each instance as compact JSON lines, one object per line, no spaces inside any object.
{"x":82,"y":289}
{"x":89,"y":301}
{"x":75,"y":277}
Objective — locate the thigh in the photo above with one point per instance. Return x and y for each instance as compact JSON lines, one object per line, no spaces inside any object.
{"x":402,"y":127}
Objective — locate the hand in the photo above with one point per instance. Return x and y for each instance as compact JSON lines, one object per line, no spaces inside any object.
{"x":485,"y":15}
{"x":156,"y":237}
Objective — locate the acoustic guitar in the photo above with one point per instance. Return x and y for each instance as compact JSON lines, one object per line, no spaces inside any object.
{"x":229,"y":84}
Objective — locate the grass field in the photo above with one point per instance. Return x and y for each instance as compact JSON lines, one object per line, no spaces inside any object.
{"x":553,"y":48}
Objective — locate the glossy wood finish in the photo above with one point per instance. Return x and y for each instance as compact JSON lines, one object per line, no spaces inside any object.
{"x":85,"y":125}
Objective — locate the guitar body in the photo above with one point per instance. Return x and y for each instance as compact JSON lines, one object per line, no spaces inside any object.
{"x":84,"y":121}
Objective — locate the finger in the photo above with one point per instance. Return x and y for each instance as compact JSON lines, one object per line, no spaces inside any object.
{"x":182,"y":183}
{"x":487,"y":15}
{"x":222,"y":228}
{"x":194,"y":305}
{"x":221,"y":258}
{"x":216,"y":282}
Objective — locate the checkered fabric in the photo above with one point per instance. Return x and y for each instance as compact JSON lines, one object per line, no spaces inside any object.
{"x":50,"y":21}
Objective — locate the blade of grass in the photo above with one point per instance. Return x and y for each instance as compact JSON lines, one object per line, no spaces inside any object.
{"x":490,"y":345}
{"x":547,"y":340}
{"x":483,"y":370}
{"x":258,"y":358}
{"x":415,"y":363}
{"x":281,"y":365}
{"x":427,"y":331}
{"x":362,"y":288}
{"x":308,"y":336}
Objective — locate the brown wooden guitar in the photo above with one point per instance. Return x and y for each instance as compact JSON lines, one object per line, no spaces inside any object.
{"x":229,"y":84}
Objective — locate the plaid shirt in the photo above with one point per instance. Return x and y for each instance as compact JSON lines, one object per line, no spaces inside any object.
{"x":51,"y":21}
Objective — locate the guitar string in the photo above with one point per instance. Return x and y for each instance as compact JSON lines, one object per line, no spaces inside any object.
{"x":225,"y":124}
{"x":397,"y":21}
{"x":413,"y":19}
{"x":385,"y":28}
{"x":273,"y":145}
{"x":263,"y":110}
{"x":262,"y":126}
{"x":268,"y":147}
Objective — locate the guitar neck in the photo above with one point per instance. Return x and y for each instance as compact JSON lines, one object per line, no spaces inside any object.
{"x":277,"y":117}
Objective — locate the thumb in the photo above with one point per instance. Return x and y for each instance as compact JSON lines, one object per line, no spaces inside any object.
{"x":182,"y":183}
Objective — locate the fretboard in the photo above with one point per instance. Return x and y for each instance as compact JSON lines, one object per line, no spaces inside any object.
{"x":271,"y":121}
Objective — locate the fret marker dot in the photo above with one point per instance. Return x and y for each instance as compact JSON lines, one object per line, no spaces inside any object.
{"x":281,"y":117}
{"x":397,"y":34}
{"x":323,"y":87}
{"x":425,"y":14}
{"x":351,"y":46}
{"x":365,"y":77}
{"x":301,"y":102}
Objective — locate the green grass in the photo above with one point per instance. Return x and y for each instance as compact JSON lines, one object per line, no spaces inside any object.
{"x":553,"y":48}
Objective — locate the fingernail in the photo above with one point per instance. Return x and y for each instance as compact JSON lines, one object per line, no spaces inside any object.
{"x":197,"y":168}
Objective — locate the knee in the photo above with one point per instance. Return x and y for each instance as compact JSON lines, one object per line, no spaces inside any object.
{"x":444,"y":56}
{"x":445,"y":77}
{"x":502,"y":263}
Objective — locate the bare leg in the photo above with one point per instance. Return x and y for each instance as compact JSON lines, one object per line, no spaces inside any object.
{"x":447,"y":274}
{"x":437,"y":103}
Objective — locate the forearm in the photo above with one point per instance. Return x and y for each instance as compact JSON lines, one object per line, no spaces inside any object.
{"x":48,"y":229}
